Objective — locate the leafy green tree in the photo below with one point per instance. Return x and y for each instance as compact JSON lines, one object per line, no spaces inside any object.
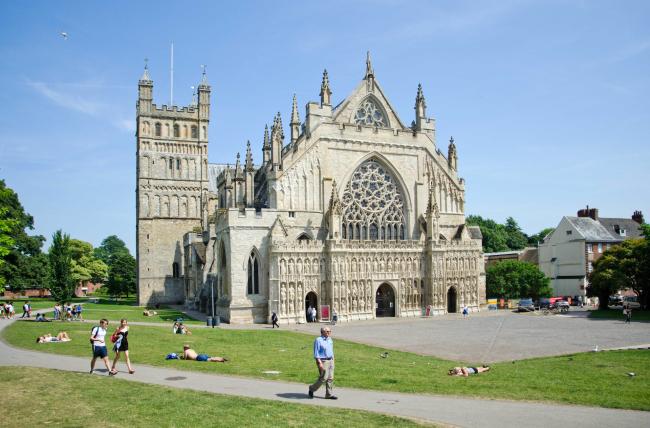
{"x":63,"y":283}
{"x":515,"y":279}
{"x":494,"y":236}
{"x":121,"y":266}
{"x":121,"y":275}
{"x":515,"y":238}
{"x":85,"y":266}
{"x":534,"y":240}
{"x":24,"y":263}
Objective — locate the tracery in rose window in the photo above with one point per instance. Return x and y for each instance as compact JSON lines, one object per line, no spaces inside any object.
{"x":369,"y":113}
{"x":373,"y":205}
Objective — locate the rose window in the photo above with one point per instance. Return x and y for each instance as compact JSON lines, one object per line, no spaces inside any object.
{"x":373,"y":206}
{"x":369,"y":113}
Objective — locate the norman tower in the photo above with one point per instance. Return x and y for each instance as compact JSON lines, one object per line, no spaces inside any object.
{"x":172,"y":195}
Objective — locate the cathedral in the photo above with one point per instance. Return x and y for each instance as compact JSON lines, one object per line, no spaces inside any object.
{"x":355,"y":213}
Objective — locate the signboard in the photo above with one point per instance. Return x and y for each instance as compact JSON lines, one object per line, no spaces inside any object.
{"x":324,"y":312}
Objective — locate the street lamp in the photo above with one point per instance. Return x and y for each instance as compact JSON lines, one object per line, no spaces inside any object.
{"x":206,"y":241}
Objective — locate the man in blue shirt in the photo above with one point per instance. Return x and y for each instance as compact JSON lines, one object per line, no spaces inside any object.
{"x":324,"y":356}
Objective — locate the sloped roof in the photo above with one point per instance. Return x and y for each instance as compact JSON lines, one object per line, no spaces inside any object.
{"x":214,"y":169}
{"x":632,"y":228}
{"x":475,"y":232}
{"x":592,"y":230}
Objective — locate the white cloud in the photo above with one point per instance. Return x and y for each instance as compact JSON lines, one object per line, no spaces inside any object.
{"x":66,"y":99}
{"x":125,"y":124}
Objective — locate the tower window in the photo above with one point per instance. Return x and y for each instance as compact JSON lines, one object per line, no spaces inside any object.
{"x":195,"y":132}
{"x":253,"y":274}
{"x":178,"y":164}
{"x":158,"y":129}
{"x":177,"y":132}
{"x":176,"y":273}
{"x":171,"y":163}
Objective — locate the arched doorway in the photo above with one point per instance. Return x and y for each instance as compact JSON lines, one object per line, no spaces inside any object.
{"x":311,"y":301}
{"x":451,"y":300}
{"x":385,"y":301}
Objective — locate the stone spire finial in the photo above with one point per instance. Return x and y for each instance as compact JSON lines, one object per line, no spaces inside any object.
{"x":238,"y":170}
{"x":249,"y":157}
{"x":278,"y":126}
{"x":419,"y":98}
{"x":194,"y":102}
{"x":335,"y":202}
{"x":325,"y":92}
{"x":294,"y":111}
{"x":228,"y":177}
{"x":452,"y":157}
{"x":370,"y":73}
{"x":267,"y":139}
{"x":204,"y":77}
{"x":145,"y":75}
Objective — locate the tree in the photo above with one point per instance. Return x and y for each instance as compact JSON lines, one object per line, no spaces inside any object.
{"x":494,"y":235}
{"x":539,"y":237}
{"x":24,"y":263}
{"x":85,"y":266}
{"x":121,"y":266}
{"x":623,"y":266}
{"x":515,"y":238}
{"x":63,"y":284}
{"x":121,"y":275}
{"x":516,"y":279}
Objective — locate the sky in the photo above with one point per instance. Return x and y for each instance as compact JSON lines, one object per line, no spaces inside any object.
{"x":547,"y":101}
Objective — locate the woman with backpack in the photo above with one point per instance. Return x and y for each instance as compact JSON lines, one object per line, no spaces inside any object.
{"x":120,"y":338}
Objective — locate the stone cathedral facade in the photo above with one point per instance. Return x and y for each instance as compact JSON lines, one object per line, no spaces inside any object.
{"x":355,"y":211}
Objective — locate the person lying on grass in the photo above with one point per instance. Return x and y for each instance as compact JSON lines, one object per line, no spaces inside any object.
{"x":48,"y":338}
{"x":191,"y":354}
{"x":466,"y":371}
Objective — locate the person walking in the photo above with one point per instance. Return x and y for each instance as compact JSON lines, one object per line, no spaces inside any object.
{"x":98,"y":340}
{"x":274,"y":320}
{"x":27,"y":310}
{"x":627,"y":311}
{"x":324,"y":356}
{"x":122,"y":346}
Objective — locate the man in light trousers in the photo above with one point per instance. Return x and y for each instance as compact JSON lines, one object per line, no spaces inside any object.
{"x":324,"y":356}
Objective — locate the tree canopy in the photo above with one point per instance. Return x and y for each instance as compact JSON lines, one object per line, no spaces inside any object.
{"x":22,"y":263}
{"x":623,"y":266}
{"x":85,"y":266}
{"x":535,"y":239}
{"x":121,"y":266}
{"x":60,"y":256}
{"x":515,"y":279}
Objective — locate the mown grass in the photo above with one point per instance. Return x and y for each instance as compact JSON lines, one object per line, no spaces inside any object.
{"x":598,"y":379}
{"x":637,"y":314}
{"x":112,"y":310}
{"x":98,"y":401}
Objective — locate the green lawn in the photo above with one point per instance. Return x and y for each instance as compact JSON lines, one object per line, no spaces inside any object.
{"x":637,"y":314}
{"x":598,"y":379}
{"x":99,"y":401}
{"x":110,"y":309}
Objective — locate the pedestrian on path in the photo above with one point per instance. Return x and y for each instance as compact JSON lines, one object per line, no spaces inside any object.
{"x":627,"y":311}
{"x":27,"y":310}
{"x":324,"y":356}
{"x":98,"y":340}
{"x":122,"y":346}
{"x":274,"y":320}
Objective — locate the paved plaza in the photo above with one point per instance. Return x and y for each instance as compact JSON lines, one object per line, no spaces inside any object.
{"x":488,"y":337}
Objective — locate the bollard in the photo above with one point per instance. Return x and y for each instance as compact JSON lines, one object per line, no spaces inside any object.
{"x":216,"y":321}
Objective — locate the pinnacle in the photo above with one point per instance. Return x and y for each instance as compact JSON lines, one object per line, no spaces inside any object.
{"x":370,"y":73}
{"x":145,"y":75}
{"x":294,"y":111}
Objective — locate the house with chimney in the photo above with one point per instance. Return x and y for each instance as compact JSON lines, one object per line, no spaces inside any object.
{"x":567,"y":254}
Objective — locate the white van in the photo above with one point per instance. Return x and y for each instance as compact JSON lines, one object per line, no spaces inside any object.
{"x":631,"y":302}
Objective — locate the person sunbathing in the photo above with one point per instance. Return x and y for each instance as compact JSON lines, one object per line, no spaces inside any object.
{"x":149,"y":313}
{"x":48,"y":338}
{"x":191,"y":354}
{"x":466,"y":371}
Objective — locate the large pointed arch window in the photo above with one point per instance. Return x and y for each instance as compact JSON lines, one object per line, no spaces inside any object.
{"x":253,"y":274}
{"x":373,"y":205}
{"x":371,"y":114}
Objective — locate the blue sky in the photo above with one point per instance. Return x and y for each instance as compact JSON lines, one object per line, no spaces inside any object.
{"x":547,"y":100}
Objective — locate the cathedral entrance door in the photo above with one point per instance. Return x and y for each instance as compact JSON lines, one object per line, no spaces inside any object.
{"x":311,"y":301}
{"x":385,"y":301}
{"x":451,"y":300}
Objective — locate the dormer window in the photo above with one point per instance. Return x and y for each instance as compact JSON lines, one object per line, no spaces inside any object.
{"x":370,"y":113}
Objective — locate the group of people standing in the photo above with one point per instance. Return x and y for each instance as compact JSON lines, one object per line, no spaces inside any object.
{"x":68,"y":312}
{"x":7,"y":310}
{"x":121,"y":345}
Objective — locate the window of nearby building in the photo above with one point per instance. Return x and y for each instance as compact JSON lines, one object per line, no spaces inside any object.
{"x":600,"y":247}
{"x":590,"y":248}
{"x":608,"y":246}
{"x":292,"y":214}
{"x":569,"y":232}
{"x":590,"y":267}
{"x":253,"y":274}
{"x":176,"y":273}
{"x":623,"y":232}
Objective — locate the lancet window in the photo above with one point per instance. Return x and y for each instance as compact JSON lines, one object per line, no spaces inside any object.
{"x":373,"y":205}
{"x":253,"y":274}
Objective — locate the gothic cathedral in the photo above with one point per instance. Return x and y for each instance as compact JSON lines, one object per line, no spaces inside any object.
{"x":356,"y":213}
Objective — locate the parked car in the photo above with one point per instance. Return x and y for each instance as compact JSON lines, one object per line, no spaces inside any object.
{"x":544,"y":302}
{"x":631,"y":302}
{"x":525,"y":305}
{"x":615,"y":300}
